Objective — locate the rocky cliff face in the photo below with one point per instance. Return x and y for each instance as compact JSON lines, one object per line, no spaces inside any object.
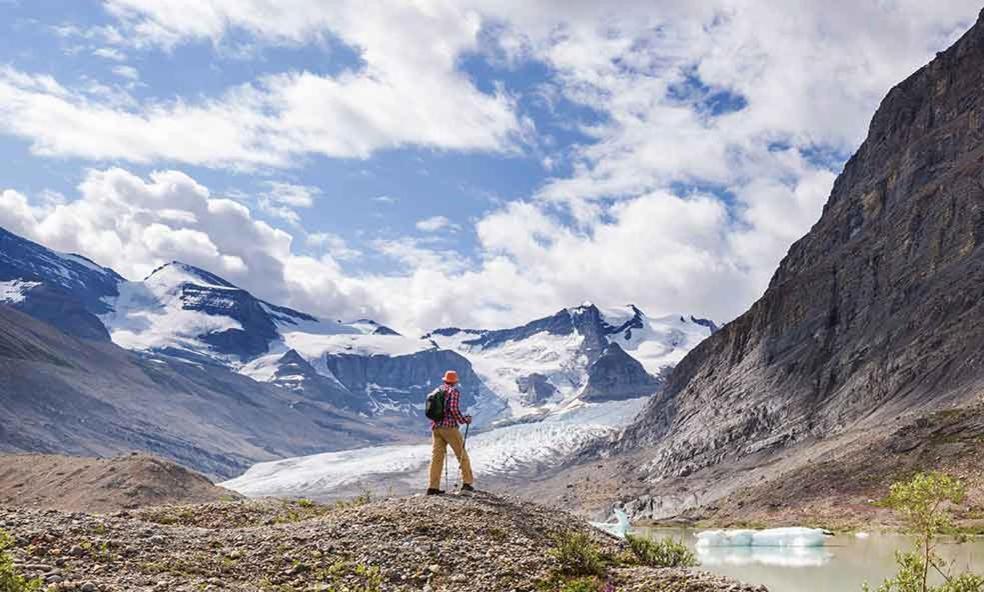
{"x":873,"y":314}
{"x":616,"y":375}
{"x":296,"y":374}
{"x":401,"y":383}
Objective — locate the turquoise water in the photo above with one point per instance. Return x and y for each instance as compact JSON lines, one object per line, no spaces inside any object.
{"x":843,"y":565}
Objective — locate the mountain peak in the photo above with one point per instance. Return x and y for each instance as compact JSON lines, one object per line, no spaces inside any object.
{"x":584,"y":307}
{"x":178,"y":272}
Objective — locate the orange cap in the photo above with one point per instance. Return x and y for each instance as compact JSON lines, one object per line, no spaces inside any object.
{"x":451,"y":377}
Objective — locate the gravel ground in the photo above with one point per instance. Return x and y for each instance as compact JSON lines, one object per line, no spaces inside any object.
{"x":450,"y":543}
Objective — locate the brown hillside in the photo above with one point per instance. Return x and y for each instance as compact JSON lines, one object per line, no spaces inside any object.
{"x":76,"y":484}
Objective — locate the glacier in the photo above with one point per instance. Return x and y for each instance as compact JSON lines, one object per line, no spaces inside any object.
{"x":508,"y":451}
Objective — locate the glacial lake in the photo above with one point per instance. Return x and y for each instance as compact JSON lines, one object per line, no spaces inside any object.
{"x":843,"y":565}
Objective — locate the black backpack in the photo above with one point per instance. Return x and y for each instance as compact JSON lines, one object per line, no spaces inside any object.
{"x":434,"y":408}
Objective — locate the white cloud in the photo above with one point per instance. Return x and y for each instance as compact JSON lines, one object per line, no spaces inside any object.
{"x":110,"y":53}
{"x":289,"y":194}
{"x":334,"y":245}
{"x":128,"y":72}
{"x":410,"y":91}
{"x":134,"y":225}
{"x":282,"y":199}
{"x":436,"y":223}
{"x":16,"y":214}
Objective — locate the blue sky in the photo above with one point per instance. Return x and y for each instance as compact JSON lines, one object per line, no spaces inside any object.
{"x":468,"y":163}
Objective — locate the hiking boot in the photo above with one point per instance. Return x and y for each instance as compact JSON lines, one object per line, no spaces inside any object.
{"x":434,"y":492}
{"x":467,"y":488}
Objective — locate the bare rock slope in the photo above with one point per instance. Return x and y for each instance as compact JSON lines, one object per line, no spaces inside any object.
{"x":77,"y":484}
{"x":59,"y":393}
{"x":871,"y":320}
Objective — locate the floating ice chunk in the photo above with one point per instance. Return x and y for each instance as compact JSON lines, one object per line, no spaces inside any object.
{"x":619,"y":529}
{"x":772,"y":537}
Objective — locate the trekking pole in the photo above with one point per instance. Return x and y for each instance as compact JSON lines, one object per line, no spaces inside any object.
{"x":464,"y":450}
{"x":446,"y":481}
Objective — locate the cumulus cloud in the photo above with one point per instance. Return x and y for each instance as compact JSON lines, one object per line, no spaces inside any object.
{"x":436,"y":223}
{"x":670,"y":249}
{"x":134,"y":225}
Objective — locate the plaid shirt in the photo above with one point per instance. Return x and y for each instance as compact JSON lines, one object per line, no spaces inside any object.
{"x":452,"y":409}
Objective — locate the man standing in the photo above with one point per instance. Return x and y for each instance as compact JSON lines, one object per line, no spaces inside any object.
{"x":445,"y":432}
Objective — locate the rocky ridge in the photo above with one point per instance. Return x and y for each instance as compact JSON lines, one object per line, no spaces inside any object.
{"x":480,"y":543}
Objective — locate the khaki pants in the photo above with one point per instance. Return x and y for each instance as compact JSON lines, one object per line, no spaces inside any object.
{"x":442,"y":438}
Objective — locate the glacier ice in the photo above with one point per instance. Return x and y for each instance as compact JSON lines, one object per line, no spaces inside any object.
{"x":771,"y":537}
{"x":508,"y":450}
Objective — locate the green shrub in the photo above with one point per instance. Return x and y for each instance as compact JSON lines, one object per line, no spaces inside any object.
{"x":577,"y":555}
{"x":662,"y":553}
{"x":924,"y":504}
{"x":10,"y":580}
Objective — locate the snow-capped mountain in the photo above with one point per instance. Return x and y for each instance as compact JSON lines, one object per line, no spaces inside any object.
{"x":189,"y":312}
{"x":580,"y":353}
{"x":583,"y":353}
{"x":62,"y":289}
{"x":547,"y":387}
{"x":184,"y":312}
{"x":364,"y":366}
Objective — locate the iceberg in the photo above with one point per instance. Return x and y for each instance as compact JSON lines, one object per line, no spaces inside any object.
{"x":619,"y":529}
{"x":771,"y":537}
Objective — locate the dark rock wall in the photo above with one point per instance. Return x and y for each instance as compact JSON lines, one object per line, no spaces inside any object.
{"x":403,"y":380}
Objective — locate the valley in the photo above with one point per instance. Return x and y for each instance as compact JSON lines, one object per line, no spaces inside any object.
{"x":780,"y":318}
